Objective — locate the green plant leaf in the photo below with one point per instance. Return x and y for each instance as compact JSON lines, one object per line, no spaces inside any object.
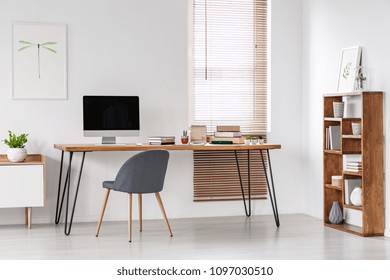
{"x":25,"y":47}
{"x":25,"y":42}
{"x":16,"y":141}
{"x":49,"y":49}
{"x":49,"y":43}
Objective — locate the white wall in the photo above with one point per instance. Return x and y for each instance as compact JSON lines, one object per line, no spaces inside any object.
{"x":140,"y":48}
{"x":286,"y":102}
{"x":329,"y":26}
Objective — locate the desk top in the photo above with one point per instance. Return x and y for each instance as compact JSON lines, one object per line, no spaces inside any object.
{"x":144,"y":147}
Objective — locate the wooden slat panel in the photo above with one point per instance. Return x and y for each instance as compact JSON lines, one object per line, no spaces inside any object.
{"x":216,"y":175}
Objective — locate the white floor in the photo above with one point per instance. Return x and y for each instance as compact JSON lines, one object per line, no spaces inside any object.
{"x":299,"y":237}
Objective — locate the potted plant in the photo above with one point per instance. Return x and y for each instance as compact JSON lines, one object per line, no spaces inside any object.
{"x":16,"y":151}
{"x":250,"y":140}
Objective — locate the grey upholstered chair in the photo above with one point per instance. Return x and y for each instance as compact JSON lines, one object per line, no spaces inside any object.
{"x":142,"y":173}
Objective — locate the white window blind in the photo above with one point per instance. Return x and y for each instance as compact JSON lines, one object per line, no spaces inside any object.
{"x":229,"y":88}
{"x":230,"y":64}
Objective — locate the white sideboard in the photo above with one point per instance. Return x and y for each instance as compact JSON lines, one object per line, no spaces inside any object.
{"x":23,"y":184}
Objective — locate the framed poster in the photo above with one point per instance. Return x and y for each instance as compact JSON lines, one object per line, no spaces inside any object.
{"x":39,"y":53}
{"x":350,"y":59}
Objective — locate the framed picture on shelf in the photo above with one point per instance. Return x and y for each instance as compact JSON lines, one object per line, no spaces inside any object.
{"x":350,"y":59}
{"x":39,"y":61}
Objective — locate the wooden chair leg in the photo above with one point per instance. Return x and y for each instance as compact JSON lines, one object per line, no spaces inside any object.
{"x":103,"y":209}
{"x":130,"y":215}
{"x":163,"y":212}
{"x":140,"y":210}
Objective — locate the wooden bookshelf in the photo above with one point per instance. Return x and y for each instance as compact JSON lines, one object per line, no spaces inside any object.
{"x":370,"y":146}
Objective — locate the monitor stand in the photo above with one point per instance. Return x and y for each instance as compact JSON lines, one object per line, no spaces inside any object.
{"x":109,"y":141}
{"x":106,"y":140}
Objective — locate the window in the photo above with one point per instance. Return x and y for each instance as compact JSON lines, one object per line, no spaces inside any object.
{"x":230,"y":64}
{"x":229,"y":74}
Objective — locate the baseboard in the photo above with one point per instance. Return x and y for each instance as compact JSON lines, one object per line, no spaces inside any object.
{"x":387,"y":233}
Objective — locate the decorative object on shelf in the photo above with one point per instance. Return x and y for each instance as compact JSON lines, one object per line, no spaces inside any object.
{"x":349,"y":185}
{"x":356,"y":196}
{"x":16,"y":151}
{"x":338,"y":109}
{"x":184,"y":137}
{"x":198,"y":134}
{"x":337,"y":180}
{"x":335,"y":215}
{"x":356,"y":128}
{"x":350,"y":59}
{"x":361,"y":78}
{"x":39,"y":61}
{"x":260,"y":141}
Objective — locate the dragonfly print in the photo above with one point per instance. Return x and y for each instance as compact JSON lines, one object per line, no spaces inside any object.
{"x":46,"y":46}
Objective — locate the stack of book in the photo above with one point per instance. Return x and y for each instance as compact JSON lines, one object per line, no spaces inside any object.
{"x":227,"y":134}
{"x":354,"y":166}
{"x":161,"y":140}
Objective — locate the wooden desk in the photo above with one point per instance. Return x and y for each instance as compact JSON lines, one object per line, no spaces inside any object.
{"x":84,"y":148}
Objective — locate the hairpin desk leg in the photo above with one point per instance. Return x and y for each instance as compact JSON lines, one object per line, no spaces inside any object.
{"x":248,"y":213}
{"x":271,"y":188}
{"x":68,"y":226}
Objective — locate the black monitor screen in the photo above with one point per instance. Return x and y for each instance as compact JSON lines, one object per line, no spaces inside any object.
{"x":111,"y":112}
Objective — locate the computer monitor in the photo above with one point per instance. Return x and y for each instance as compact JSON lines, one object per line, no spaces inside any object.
{"x":110,"y":116}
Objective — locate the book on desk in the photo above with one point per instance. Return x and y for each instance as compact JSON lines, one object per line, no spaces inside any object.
{"x":161,"y":140}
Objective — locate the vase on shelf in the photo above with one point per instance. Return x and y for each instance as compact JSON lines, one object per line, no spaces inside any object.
{"x":16,"y":154}
{"x":335,"y":215}
{"x":338,"y":109}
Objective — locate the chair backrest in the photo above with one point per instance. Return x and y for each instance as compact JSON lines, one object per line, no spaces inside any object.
{"x":143,"y":172}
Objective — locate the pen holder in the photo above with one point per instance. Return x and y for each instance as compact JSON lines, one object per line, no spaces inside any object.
{"x":184,"y":140}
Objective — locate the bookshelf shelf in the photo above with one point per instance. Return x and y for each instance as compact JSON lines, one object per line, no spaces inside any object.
{"x":330,"y":186}
{"x":358,"y":208}
{"x":347,"y":228}
{"x":333,"y":152}
{"x":330,"y":119}
{"x":369,"y":145}
{"x":352,"y":137}
{"x":351,"y":173}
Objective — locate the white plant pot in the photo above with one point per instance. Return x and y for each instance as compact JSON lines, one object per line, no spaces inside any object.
{"x":16,"y":154}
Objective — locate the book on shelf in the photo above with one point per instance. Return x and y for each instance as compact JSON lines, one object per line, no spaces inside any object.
{"x":222,"y":142}
{"x":228,"y":128}
{"x":327,"y":140}
{"x":161,"y":138}
{"x":235,"y":140}
{"x":162,"y":142}
{"x":354,"y":167}
{"x":227,"y":134}
{"x":353,"y":170}
{"x":349,"y":185}
{"x":354,"y":163}
{"x":334,"y":137}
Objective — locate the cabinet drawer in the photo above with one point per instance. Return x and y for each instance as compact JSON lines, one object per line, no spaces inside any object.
{"x":22,"y":186}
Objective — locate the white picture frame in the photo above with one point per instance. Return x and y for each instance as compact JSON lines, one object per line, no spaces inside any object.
{"x":39,"y":61}
{"x":350,"y":59}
